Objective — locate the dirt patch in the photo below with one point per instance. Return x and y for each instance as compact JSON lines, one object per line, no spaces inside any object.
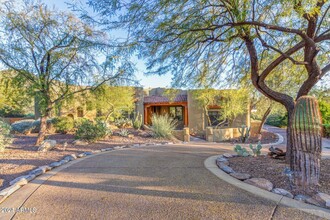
{"x":22,"y":156}
{"x":273,"y":170}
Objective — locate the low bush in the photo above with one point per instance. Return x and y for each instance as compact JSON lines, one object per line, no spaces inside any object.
{"x":277,"y":120}
{"x":5,"y":136}
{"x":79,"y":121}
{"x":63,"y":124}
{"x":137,"y":122}
{"x":123,"y":132}
{"x":123,"y":123}
{"x":23,"y":126}
{"x":92,"y":131}
{"x":162,"y":126}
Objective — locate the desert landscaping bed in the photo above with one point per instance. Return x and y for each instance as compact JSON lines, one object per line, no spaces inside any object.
{"x":273,"y":170}
{"x":22,"y":156}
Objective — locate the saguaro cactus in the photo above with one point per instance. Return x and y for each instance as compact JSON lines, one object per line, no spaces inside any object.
{"x":307,"y":143}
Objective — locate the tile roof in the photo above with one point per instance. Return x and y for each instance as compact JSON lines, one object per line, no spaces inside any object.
{"x":164,"y":99}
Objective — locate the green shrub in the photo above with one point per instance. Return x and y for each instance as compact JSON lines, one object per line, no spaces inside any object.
{"x":137,"y":122}
{"x":79,"y":121}
{"x":5,"y":136}
{"x":277,"y":120}
{"x":123,"y":123}
{"x":63,"y":124}
{"x":92,"y":131}
{"x":325,"y":112}
{"x":123,"y":132}
{"x":162,"y":126}
{"x":23,"y":126}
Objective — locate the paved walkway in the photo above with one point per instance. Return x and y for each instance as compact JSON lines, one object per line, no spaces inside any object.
{"x":281,"y":131}
{"x":155,"y":182}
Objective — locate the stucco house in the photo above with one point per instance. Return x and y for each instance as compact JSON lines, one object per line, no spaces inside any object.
{"x":184,"y":108}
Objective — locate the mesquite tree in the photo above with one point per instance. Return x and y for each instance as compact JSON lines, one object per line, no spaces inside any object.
{"x":56,"y":53}
{"x":206,"y":40}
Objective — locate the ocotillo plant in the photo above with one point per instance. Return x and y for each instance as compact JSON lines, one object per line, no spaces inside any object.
{"x":307,"y":143}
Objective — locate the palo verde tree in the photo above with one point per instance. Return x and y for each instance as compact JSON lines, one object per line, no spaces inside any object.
{"x":188,"y":37}
{"x":56,"y":53}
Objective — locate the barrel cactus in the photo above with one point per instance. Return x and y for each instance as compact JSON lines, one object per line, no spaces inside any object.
{"x":307,"y":143}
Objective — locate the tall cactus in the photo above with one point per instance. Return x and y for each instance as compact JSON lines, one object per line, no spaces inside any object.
{"x":307,"y":143}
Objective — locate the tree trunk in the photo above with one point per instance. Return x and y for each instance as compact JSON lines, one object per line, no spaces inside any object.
{"x":306,"y":144}
{"x":42,"y":131}
{"x":264,"y":117}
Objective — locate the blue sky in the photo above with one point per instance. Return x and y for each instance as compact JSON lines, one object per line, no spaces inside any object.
{"x":145,"y":81}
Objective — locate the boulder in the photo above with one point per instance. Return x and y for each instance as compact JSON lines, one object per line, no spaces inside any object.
{"x":322,"y":198}
{"x":81,"y":155}
{"x":241,"y":176}
{"x":45,"y":168}
{"x":22,"y":180}
{"x":227,"y":155}
{"x":261,"y":183}
{"x":226,"y":169}
{"x":301,"y":198}
{"x":47,"y":145}
{"x":222,"y":163}
{"x":313,"y":201}
{"x":282,"y":192}
{"x":36,"y":172}
{"x":221,"y":159}
{"x":69,"y":158}
{"x":55,"y":164}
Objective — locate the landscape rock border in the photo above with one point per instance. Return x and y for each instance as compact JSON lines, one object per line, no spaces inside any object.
{"x":211,"y":164}
{"x":20,"y":181}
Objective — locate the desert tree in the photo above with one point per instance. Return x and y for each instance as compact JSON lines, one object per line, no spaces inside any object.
{"x":210,"y":40}
{"x":57,"y":54}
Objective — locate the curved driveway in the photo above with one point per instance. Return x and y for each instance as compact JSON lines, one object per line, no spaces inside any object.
{"x":154,"y":182}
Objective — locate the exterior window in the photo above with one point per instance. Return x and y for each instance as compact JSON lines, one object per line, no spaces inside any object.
{"x":176,"y":113}
{"x":80,"y":112}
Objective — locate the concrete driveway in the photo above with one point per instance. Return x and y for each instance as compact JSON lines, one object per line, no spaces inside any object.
{"x":155,"y":182}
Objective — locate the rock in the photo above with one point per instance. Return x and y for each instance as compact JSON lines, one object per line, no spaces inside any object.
{"x":47,"y":145}
{"x":63,"y":162}
{"x":261,"y":183}
{"x":69,"y":158}
{"x":282,"y":192}
{"x":45,"y":168}
{"x":241,"y":176}
{"x":55,"y":164}
{"x":322,"y":198}
{"x":117,"y":147}
{"x":36,"y":172}
{"x":223,"y":163}
{"x":74,"y":156}
{"x":301,"y":198}
{"x":221,"y":159}
{"x":9,"y":190}
{"x":227,"y":155}
{"x":226,"y":169}
{"x":21,"y":181}
{"x":313,"y":201}
{"x":130,"y":136}
{"x":2,"y":198}
{"x":88,"y":153}
{"x":81,"y":155}
{"x":327,"y":204}
{"x":79,"y":142}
